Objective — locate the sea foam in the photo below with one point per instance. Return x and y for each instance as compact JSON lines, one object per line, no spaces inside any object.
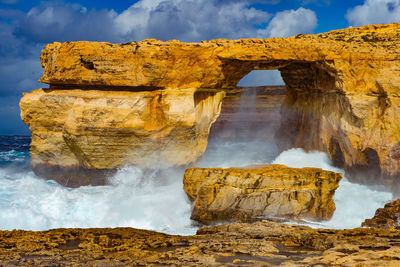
{"x":156,"y":200}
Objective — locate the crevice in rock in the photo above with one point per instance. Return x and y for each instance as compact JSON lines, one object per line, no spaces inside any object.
{"x":54,"y":86}
{"x":87,"y":64}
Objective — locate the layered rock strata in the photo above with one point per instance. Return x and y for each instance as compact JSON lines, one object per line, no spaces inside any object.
{"x":359,"y":132}
{"x":264,"y":191}
{"x":261,"y":244}
{"x":85,"y":131}
{"x":387,"y":217}
{"x":343,"y":86}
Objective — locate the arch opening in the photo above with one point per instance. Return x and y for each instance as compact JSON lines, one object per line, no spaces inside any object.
{"x":250,"y":115}
{"x":262,"y":78}
{"x":369,"y":172}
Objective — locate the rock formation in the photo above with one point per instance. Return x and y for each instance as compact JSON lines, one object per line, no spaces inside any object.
{"x":387,"y":217}
{"x":343,"y":89}
{"x":261,"y":244}
{"x":276,"y":190}
{"x":85,"y":131}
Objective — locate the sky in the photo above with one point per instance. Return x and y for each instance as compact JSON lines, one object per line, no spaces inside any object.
{"x":27,"y":25}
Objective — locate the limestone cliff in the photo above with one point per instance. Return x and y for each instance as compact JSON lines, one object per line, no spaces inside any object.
{"x":110,"y":129}
{"x":275,"y":190}
{"x":343,"y":91}
{"x":360,"y":132}
{"x":350,"y":60}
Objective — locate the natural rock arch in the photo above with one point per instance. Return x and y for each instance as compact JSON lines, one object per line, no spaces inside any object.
{"x":333,"y":80}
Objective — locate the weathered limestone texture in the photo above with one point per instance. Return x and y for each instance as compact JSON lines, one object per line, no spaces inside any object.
{"x":343,"y":89}
{"x":387,"y":217}
{"x":350,"y":60}
{"x":257,"y":244}
{"x":95,"y":129}
{"x":276,"y":190}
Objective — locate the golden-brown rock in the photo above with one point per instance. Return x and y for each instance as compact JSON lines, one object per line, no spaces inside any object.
{"x":361,"y":133}
{"x":261,"y":244}
{"x":276,"y":190}
{"x":97,"y":129}
{"x":343,"y":85}
{"x":361,"y":59}
{"x":387,"y":217}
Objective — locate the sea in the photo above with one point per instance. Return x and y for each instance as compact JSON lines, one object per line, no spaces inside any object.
{"x":151,"y":200}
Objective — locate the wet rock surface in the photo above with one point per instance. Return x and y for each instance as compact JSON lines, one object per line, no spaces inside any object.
{"x":387,"y":217}
{"x":262,"y":243}
{"x":248,"y":193}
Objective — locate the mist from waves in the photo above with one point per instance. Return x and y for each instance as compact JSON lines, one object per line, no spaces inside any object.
{"x":154,"y":200}
{"x":133,"y":198}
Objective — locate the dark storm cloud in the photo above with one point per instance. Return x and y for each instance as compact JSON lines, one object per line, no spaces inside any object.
{"x":57,"y":21}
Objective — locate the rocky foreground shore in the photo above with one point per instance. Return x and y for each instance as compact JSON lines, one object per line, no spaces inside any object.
{"x":262,"y":243}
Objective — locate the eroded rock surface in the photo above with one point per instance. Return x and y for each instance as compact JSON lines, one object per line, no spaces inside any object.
{"x":262,"y":244}
{"x":276,"y":190}
{"x":387,"y":217}
{"x":360,"y":132}
{"x":355,"y":59}
{"x":104,"y":130}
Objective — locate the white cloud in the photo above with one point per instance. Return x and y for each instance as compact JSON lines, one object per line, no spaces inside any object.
{"x":290,"y":22}
{"x":185,"y":20}
{"x":374,"y":12}
{"x":190,"y":20}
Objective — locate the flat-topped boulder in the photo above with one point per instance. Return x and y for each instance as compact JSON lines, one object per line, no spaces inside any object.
{"x":264,"y":191}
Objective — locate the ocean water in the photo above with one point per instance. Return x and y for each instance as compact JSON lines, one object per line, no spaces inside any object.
{"x":150,"y":200}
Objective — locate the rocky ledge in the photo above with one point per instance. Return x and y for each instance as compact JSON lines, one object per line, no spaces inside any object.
{"x":276,"y":190}
{"x":261,"y":243}
{"x":387,"y":217}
